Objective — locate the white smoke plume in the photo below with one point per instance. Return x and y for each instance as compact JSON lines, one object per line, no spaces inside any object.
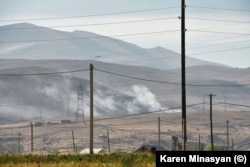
{"x":56,"y":96}
{"x":136,"y":99}
{"x":144,"y":100}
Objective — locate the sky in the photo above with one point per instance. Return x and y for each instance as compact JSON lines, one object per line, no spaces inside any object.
{"x":217,"y":30}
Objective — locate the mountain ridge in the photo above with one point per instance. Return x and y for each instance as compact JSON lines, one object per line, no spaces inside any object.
{"x":124,"y":74}
{"x":46,"y":43}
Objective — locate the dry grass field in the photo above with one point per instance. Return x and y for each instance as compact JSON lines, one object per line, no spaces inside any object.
{"x":126,"y":133}
{"x":76,"y":160}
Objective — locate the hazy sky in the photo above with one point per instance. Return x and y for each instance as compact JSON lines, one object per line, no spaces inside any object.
{"x":214,"y":32}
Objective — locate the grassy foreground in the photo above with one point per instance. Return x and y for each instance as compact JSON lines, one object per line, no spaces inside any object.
{"x":77,"y":160}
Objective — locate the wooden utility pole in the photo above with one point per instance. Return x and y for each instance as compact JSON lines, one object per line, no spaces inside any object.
{"x":232,"y":144}
{"x":203,"y":102}
{"x":31,"y":131}
{"x":183,"y":75}
{"x":159,"y":131}
{"x":211,"y":121}
{"x":199,"y":142}
{"x":225,"y":103}
{"x":18,"y":143}
{"x":227,"y":135}
{"x":91,"y":110}
{"x":108,"y":139}
{"x":68,"y":108}
{"x":40,"y":113}
{"x":73,"y":140}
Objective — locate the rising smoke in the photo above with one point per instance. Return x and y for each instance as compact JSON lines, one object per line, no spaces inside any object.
{"x":136,"y":99}
{"x":46,"y":97}
{"x":144,"y":100}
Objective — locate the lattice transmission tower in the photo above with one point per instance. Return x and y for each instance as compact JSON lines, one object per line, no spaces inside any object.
{"x":80,"y":111}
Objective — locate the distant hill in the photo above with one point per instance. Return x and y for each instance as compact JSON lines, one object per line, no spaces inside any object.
{"x":33,"y":42}
{"x":23,"y":97}
{"x":128,"y":79}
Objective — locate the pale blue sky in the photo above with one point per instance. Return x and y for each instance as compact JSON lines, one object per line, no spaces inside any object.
{"x":230,"y":49}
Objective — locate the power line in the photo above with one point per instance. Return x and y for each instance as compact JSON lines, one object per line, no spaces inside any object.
{"x":121,"y":75}
{"x":202,"y":53}
{"x":126,"y":76}
{"x":94,"y":15}
{"x":63,"y":39}
{"x":108,"y":56}
{"x":219,"y":32}
{"x":218,"y":26}
{"x":145,"y":113}
{"x":238,"y":35}
{"x":163,"y":56}
{"x":122,"y":54}
{"x":132,"y":115}
{"x":49,"y":73}
{"x":214,"y":8}
{"x":220,"y":39}
{"x":218,"y":20}
{"x":170,"y":83}
{"x":94,"y":24}
{"x":135,"y":123}
{"x":217,"y":44}
{"x":239,"y":105}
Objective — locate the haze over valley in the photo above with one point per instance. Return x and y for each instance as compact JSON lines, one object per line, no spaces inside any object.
{"x":33,"y":52}
{"x":41,"y":70}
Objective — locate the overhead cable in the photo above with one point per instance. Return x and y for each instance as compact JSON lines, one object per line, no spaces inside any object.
{"x":172,"y":83}
{"x":49,"y":73}
{"x":218,"y":20}
{"x":82,"y":38}
{"x":215,"y":8}
{"x":145,"y":113}
{"x":94,"y":15}
{"x":219,"y":32}
{"x":82,"y":25}
{"x":239,"y":105}
{"x":218,"y":51}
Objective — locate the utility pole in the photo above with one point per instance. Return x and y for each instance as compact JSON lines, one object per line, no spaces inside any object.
{"x":227,"y":135}
{"x":91,"y":110}
{"x":183,"y":75}
{"x":31,"y":129}
{"x":199,"y":142}
{"x":232,"y":144}
{"x":159,"y":131}
{"x":73,"y":140}
{"x":40,"y":113}
{"x":68,"y":108}
{"x":203,"y":102}
{"x":108,"y":139}
{"x":225,"y":103}
{"x":211,"y":122}
{"x":18,"y":143}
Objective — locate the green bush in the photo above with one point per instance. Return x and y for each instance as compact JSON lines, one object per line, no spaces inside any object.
{"x":208,"y":147}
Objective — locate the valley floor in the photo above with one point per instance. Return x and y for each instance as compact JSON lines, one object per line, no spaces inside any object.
{"x":125,"y":133}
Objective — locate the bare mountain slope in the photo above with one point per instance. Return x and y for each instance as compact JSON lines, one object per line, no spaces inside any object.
{"x":27,"y":41}
{"x":115,"y":91}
